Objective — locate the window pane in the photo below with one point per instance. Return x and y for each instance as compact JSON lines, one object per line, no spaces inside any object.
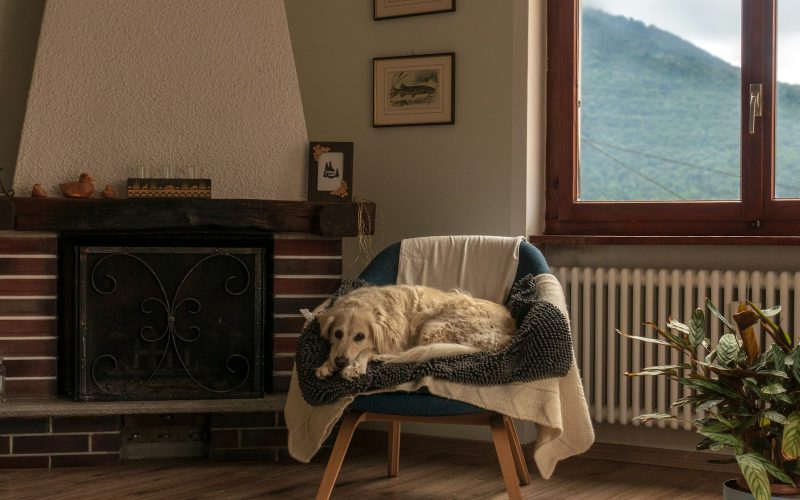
{"x":660,"y":108}
{"x":787,"y":132}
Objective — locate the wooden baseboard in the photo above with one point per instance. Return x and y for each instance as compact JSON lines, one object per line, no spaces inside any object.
{"x":599,"y":451}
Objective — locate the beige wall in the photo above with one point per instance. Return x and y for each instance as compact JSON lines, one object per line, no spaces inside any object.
{"x":124,"y":83}
{"x":466,"y":178}
{"x":19,"y":31}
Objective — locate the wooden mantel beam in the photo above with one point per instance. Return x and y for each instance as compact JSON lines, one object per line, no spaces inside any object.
{"x":96,"y":214}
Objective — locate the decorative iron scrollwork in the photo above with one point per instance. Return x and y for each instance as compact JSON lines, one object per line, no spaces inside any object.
{"x":171,"y":334}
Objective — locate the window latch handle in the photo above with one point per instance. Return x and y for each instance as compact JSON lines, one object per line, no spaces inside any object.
{"x":755,"y":105}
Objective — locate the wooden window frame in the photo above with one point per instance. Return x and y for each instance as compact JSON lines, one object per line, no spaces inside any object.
{"x":757,"y":213}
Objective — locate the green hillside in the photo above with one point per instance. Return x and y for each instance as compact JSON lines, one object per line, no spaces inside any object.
{"x":660,"y":117}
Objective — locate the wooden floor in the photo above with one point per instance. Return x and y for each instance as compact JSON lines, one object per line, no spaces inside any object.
{"x":423,"y":475}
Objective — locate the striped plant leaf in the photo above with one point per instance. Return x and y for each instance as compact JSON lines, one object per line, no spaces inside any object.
{"x":645,"y":373}
{"x":647,"y":339}
{"x":772,"y":373}
{"x":654,"y":416}
{"x":708,"y":404}
{"x":790,"y":449}
{"x":704,"y":444}
{"x":755,"y":474}
{"x":717,"y":446}
{"x":719,"y":315}
{"x":796,"y":363}
{"x":774,"y":329}
{"x":752,"y":383}
{"x":727,"y":349}
{"x":761,"y":361}
{"x":778,"y":357}
{"x":773,"y":469}
{"x":723,"y":438}
{"x":706,"y":385}
{"x":677,"y":325}
{"x":775,"y":417}
{"x":731,"y":423}
{"x":666,"y":368}
{"x":697,"y":328}
{"x":774,"y":388}
{"x":677,"y":340}
{"x":772,"y":311}
{"x":715,"y":426}
{"x":683,"y":401}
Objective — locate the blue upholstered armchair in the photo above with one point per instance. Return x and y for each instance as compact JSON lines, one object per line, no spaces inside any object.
{"x":396,"y":407}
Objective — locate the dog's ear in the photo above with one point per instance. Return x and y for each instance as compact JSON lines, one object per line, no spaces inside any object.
{"x":383,"y":334}
{"x":325,"y":323}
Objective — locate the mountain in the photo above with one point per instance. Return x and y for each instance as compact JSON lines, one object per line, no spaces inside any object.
{"x":660,"y":117}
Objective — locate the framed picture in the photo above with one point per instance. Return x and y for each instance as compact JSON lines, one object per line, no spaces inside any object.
{"x":387,"y":9}
{"x":330,"y":171}
{"x":413,"y":90}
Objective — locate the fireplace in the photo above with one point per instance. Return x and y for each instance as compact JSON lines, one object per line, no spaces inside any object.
{"x":164,"y":315}
{"x":41,"y":424}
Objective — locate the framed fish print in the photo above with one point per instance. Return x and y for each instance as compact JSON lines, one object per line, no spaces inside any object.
{"x":413,"y":90}
{"x":387,"y":9}
{"x":330,"y":171}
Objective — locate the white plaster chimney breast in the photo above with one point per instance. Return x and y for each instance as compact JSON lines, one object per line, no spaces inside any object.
{"x":127,"y":83}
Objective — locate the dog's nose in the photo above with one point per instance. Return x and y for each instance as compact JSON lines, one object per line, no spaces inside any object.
{"x":340,"y":361}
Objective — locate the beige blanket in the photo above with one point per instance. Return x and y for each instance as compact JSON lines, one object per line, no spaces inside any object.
{"x":484,"y":266}
{"x":557,"y":405}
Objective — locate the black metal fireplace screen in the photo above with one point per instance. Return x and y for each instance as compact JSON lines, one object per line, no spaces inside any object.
{"x":169,"y":323}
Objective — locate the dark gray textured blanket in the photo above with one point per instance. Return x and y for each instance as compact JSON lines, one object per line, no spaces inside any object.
{"x":542,"y":348}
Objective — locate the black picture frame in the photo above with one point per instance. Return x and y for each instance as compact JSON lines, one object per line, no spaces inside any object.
{"x":425,"y":94}
{"x":381,"y":9}
{"x":329,"y":162}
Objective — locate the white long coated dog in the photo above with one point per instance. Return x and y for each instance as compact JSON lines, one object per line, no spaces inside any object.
{"x":401,"y":323}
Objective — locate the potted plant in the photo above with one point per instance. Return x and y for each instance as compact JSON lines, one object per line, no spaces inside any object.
{"x":750,"y":394}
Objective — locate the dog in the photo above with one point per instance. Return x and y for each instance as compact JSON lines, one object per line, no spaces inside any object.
{"x":403,"y":324}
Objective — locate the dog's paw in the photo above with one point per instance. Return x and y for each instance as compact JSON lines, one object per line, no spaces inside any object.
{"x":353,"y":371}
{"x":323,"y":372}
{"x":383,"y":357}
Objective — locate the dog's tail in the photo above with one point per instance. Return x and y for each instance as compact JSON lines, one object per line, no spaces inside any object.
{"x":425,"y":352}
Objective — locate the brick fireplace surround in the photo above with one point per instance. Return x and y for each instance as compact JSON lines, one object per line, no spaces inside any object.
{"x":40,"y":428}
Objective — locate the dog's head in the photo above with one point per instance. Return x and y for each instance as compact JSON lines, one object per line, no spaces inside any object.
{"x":349,"y":329}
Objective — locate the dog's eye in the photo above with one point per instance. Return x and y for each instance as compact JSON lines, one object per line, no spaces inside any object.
{"x":358,"y":337}
{"x":337,"y":334}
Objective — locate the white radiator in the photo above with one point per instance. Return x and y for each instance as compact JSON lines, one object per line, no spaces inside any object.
{"x":601,"y":300}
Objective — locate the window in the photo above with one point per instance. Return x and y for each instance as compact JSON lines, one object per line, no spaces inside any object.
{"x":670,"y":118}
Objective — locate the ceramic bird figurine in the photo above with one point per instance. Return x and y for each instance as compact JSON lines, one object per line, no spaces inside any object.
{"x":82,"y":188}
{"x":38,"y":191}
{"x":108,"y":192}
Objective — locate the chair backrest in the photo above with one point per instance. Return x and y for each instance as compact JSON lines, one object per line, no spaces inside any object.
{"x":383,"y":268}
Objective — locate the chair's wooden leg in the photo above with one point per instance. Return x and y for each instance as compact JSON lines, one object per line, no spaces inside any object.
{"x":349,"y":424}
{"x":503,"y":448}
{"x":516,"y":451}
{"x":394,"y":448}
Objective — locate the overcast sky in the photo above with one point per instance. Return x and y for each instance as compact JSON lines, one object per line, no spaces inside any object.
{"x":714,"y":25}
